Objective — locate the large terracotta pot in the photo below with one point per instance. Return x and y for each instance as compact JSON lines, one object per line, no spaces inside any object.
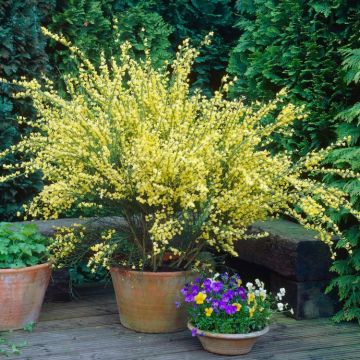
{"x":146,"y":300}
{"x":228,"y":344}
{"x":21,"y":295}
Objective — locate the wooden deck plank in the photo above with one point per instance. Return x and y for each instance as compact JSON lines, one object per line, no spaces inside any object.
{"x":89,"y":328}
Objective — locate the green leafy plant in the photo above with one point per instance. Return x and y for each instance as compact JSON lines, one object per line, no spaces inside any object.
{"x":8,"y":348}
{"x":223,"y":305}
{"x":21,"y":246}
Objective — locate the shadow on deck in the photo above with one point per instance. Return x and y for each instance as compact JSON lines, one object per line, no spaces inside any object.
{"x":89,"y":329}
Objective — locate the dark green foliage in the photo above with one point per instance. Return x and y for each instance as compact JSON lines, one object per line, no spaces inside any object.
{"x":301,"y":45}
{"x":348,"y":266}
{"x":295,"y":44}
{"x":81,"y":274}
{"x":86,"y":25}
{"x":195,"y":19}
{"x":141,"y":21}
{"x":21,"y":54}
{"x":89,"y":24}
{"x":21,"y":246}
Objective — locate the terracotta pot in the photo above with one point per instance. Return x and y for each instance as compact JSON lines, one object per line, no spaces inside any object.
{"x":228,"y":344}
{"x":21,"y":295}
{"x":146,"y":300}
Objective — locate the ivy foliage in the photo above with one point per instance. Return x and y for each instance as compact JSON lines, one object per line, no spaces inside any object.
{"x":312,"y":48}
{"x":22,"y":53}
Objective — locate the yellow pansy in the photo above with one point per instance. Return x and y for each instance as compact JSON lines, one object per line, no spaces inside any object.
{"x":209,"y":311}
{"x":200,"y":298}
{"x":238,"y":306}
{"x":251,"y":297}
{"x":251,"y":311}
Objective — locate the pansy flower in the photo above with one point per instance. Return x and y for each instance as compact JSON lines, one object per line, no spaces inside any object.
{"x":185,"y":289}
{"x":207,"y":285}
{"x":200,"y":298}
{"x":242,"y":293}
{"x":217,"y":286}
{"x":230,"y":309}
{"x":195,"y":290}
{"x":222,"y":305}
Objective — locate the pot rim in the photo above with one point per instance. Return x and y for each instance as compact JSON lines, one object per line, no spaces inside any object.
{"x":251,"y":335}
{"x":25,"y":269}
{"x":151,"y":273}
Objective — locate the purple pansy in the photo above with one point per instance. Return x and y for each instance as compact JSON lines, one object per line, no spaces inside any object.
{"x":189,"y":298}
{"x":193,"y":332}
{"x":242,"y":293}
{"x":230,"y":293}
{"x":230,"y":309}
{"x":207,"y":284}
{"x":222,"y":305}
{"x":195,"y":290}
{"x":225,"y":298}
{"x":215,"y":304}
{"x":217,"y":286}
{"x":177,"y":304}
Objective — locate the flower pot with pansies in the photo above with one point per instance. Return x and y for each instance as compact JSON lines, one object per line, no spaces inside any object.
{"x":228,"y":317}
{"x":188,"y":174}
{"x":24,"y":275}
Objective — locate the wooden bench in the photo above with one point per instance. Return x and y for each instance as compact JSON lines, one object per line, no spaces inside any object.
{"x":290,"y":257}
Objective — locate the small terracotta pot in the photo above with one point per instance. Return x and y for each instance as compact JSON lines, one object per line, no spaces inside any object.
{"x":228,"y":344}
{"x":21,"y":295}
{"x":146,"y":300}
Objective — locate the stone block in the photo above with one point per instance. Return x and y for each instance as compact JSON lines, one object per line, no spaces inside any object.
{"x":289,"y":249}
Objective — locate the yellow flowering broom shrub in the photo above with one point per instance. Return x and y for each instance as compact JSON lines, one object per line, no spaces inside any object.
{"x":185,"y":171}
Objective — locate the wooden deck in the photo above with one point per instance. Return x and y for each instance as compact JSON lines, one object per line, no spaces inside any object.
{"x":89,"y":329}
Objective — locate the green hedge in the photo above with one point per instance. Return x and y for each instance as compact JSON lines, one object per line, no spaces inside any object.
{"x":312,"y":48}
{"x":89,"y":24}
{"x":22,"y":53}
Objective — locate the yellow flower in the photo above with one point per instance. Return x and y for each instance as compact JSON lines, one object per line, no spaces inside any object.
{"x":251,"y":297}
{"x":115,"y":138}
{"x":209,"y":311}
{"x":251,"y":311}
{"x":239,"y":282}
{"x":238,"y":306}
{"x":200,"y":298}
